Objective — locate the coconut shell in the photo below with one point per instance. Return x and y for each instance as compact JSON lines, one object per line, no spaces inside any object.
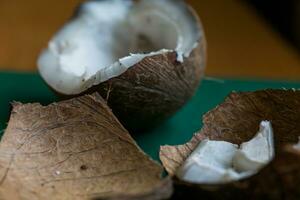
{"x":154,"y":89}
{"x":237,"y":120}
{"x":75,"y":149}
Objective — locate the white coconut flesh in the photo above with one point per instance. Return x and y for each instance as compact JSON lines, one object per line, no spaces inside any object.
{"x":109,"y":36}
{"x":218,"y":162}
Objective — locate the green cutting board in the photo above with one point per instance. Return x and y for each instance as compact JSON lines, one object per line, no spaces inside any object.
{"x":178,"y":129}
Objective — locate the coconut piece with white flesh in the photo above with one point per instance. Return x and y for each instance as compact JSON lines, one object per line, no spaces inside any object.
{"x":209,"y":163}
{"x":145,"y":57}
{"x":251,"y":175}
{"x":215,"y":162}
{"x":256,"y":153}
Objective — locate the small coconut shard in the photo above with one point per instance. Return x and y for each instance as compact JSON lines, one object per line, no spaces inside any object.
{"x":256,"y":153}
{"x":210,"y":162}
{"x":75,"y":149}
{"x":236,"y":122}
{"x":216,"y":162}
{"x":145,"y":57}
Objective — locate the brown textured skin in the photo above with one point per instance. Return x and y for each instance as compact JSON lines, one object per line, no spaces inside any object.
{"x":153,"y":89}
{"x":75,"y":149}
{"x":159,"y":192}
{"x":237,"y":120}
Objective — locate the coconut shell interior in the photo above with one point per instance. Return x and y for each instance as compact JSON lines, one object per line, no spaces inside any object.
{"x":236,"y":121}
{"x":106,"y":38}
{"x":75,"y":149}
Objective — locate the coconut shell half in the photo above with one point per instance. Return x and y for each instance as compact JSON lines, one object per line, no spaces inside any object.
{"x":236,"y":121}
{"x":75,"y":149}
{"x":146,"y":58}
{"x":153,"y":89}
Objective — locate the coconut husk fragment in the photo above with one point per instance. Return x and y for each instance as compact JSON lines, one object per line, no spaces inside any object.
{"x":237,"y":120}
{"x":74,"y":149}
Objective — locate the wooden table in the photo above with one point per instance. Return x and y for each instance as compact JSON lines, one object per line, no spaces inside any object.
{"x":240,"y":44}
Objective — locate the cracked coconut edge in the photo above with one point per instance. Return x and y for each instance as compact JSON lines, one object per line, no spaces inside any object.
{"x":215,"y":162}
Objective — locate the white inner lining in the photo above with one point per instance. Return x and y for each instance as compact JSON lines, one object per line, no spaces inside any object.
{"x":216,"y":162}
{"x":109,"y":36}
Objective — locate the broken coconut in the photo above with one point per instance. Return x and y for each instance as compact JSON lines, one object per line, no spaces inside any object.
{"x":74,"y":149}
{"x":235,"y":122}
{"x":215,"y":162}
{"x":145,"y":57}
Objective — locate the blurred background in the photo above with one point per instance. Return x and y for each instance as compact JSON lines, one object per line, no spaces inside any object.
{"x":246,"y":38}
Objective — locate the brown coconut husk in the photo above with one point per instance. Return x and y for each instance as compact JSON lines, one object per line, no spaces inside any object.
{"x":154,"y":89}
{"x":75,"y":149}
{"x":236,"y":121}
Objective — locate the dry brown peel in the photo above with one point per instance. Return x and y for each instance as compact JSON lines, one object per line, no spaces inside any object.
{"x":161,"y":191}
{"x":74,"y":149}
{"x":236,"y":121}
{"x":151,"y":96}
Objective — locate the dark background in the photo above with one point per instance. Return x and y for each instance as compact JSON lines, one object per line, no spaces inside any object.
{"x":283,"y":15}
{"x":256,"y":39}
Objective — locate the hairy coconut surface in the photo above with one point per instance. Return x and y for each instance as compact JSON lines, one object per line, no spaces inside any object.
{"x":142,"y":99}
{"x":236,"y":121}
{"x":145,"y":57}
{"x":75,"y":149}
